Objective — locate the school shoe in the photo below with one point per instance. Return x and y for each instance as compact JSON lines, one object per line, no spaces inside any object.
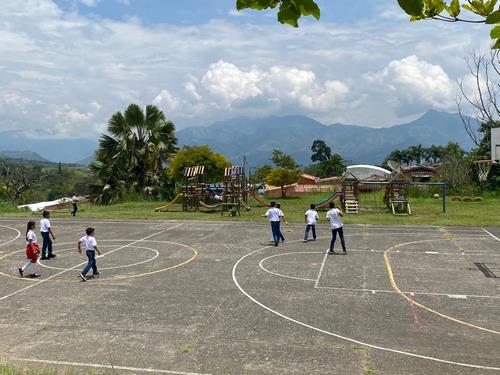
{"x":96,"y":274}
{"x":34,"y":275}
{"x":51,"y":255}
{"x":82,"y":277}
{"x":304,"y":240}
{"x":20,"y":272}
{"x":331,"y":252}
{"x":344,"y":252}
{"x":44,"y":258}
{"x":275,"y":244}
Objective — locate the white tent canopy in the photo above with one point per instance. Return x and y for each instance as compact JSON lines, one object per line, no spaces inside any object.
{"x":363,"y":171}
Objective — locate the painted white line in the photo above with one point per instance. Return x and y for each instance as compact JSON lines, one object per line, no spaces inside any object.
{"x":432,"y":252}
{"x":457,"y":296}
{"x":349,"y":339}
{"x":411,"y":293}
{"x":287,"y":276}
{"x":12,"y":240}
{"x":81,"y":264}
{"x":321,"y":269}
{"x":491,"y":234}
{"x":155,"y":252}
{"x":95,"y":365}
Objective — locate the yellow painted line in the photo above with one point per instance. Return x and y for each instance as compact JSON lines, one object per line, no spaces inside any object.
{"x":193,"y":257}
{"x":415,"y":303}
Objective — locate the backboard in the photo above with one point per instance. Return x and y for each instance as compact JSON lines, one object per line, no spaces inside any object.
{"x":495,"y":144}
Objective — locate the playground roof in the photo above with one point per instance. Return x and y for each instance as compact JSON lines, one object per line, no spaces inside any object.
{"x":363,"y":171}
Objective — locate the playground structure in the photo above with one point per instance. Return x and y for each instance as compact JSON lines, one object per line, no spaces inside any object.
{"x":350,"y":189}
{"x":235,"y":190}
{"x":374,"y":193}
{"x":397,"y":195}
{"x":193,"y":187}
{"x":324,"y":203}
{"x":260,"y":201}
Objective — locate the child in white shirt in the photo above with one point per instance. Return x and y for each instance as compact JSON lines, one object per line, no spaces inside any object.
{"x":310,"y":218}
{"x":90,"y":249}
{"x":333,"y":216}
{"x":32,"y":250}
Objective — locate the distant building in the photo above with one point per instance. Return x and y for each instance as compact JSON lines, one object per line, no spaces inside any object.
{"x":307,"y":184}
{"x":418,"y":173}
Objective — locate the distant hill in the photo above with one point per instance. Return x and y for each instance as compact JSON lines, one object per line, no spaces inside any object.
{"x":54,"y":150}
{"x":256,"y":138}
{"x":22,"y":155}
{"x":86,"y":161}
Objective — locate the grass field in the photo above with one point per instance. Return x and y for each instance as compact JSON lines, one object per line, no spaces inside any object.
{"x":372,"y":211}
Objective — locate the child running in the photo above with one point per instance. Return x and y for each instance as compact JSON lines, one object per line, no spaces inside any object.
{"x":274,"y":215}
{"x":91,"y":249}
{"x":46,"y":232}
{"x":333,"y":216}
{"x":32,"y":250}
{"x":278,"y":206}
{"x":310,"y":218}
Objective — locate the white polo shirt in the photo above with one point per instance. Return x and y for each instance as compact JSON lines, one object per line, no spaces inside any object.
{"x":44,"y":225}
{"x":334,"y":216}
{"x":312,"y":216}
{"x":89,"y":242}
{"x":274,"y":214}
{"x":31,"y":236}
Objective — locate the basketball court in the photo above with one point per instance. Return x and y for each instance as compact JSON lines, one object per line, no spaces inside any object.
{"x":185,"y":297}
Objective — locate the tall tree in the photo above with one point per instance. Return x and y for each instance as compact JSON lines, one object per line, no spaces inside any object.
{"x":321,"y":151}
{"x":135,"y":152}
{"x":190,"y":156}
{"x":286,"y":172}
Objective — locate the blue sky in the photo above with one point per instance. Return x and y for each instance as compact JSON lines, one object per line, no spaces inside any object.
{"x":199,"y":11}
{"x":67,"y":65}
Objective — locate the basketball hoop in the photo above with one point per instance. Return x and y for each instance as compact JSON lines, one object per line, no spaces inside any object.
{"x":484,"y":167}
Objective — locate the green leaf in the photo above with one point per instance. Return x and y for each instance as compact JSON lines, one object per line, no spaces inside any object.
{"x":454,"y":8}
{"x":496,"y":45}
{"x":479,"y":7}
{"x":289,"y":13}
{"x":495,"y":33}
{"x":309,"y":8}
{"x":256,"y":4}
{"x":412,"y":7}
{"x":490,"y":5}
{"x":493,"y":17}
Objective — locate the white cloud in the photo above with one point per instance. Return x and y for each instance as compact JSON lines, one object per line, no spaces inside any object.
{"x":166,"y":101}
{"x":221,"y":68}
{"x":89,"y":3}
{"x":227,"y":81}
{"x":414,"y":83}
{"x":15,"y":100}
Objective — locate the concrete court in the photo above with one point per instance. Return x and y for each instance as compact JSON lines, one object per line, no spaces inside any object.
{"x":185,"y":297}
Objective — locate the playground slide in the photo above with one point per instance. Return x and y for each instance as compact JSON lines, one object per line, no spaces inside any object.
{"x":248,"y":208}
{"x":257,"y":199}
{"x":331,"y":197}
{"x":157,"y":209}
{"x":210,"y":206}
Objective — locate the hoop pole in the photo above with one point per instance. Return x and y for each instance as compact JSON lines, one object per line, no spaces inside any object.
{"x":444,"y":197}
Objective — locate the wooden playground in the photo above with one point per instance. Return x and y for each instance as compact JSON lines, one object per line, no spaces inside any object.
{"x":231,"y":195}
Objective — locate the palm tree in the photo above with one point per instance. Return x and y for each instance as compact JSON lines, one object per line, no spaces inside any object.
{"x":136,"y":150}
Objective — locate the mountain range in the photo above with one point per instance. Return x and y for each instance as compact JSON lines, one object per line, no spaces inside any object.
{"x":256,"y":138}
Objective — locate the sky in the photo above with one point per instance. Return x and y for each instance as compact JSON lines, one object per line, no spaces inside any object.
{"x":67,"y":65}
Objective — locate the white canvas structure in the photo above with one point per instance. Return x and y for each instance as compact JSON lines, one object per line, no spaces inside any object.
{"x":363,"y":171}
{"x":42,"y":205}
{"x":495,"y":144}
